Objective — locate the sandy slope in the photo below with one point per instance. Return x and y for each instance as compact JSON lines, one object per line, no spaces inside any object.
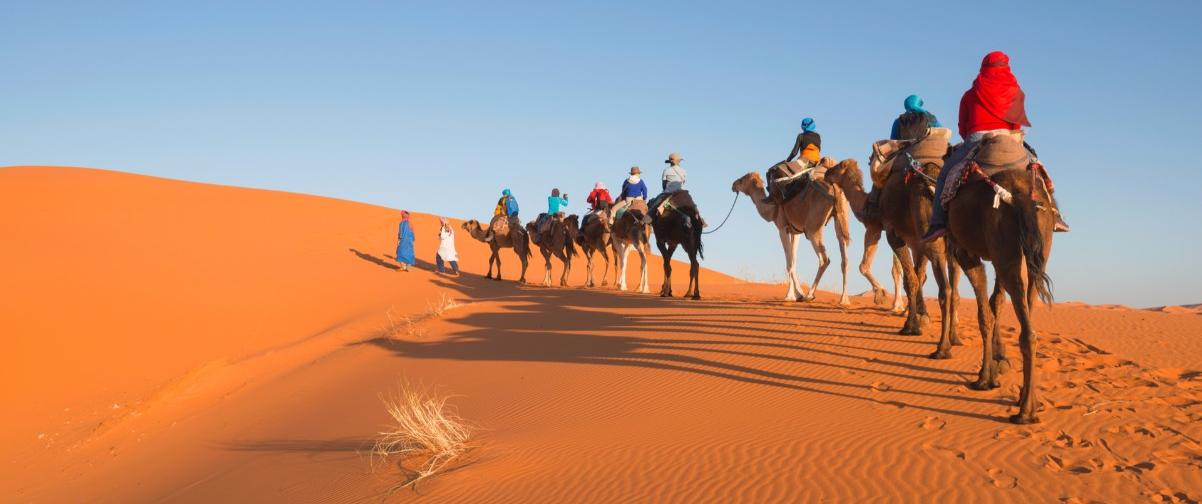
{"x":244,"y":337}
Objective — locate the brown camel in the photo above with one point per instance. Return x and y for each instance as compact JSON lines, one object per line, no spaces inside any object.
{"x":906,"y":199}
{"x":1016,"y":237}
{"x":594,"y":237}
{"x":806,"y":213}
{"x":853,"y":188}
{"x":559,"y":240}
{"x":631,"y":231}
{"x":516,"y":239}
{"x":679,"y":224}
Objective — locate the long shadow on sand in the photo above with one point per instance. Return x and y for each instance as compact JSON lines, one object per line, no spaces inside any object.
{"x":582,"y":327}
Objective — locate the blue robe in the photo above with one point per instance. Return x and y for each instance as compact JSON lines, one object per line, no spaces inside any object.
{"x":404,"y":246}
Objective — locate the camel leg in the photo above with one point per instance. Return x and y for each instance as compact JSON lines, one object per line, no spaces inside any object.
{"x":899,"y":305}
{"x":1010,"y":274}
{"x":999,"y":347}
{"x":974,"y":270}
{"x":567,"y":270}
{"x":496,"y":253}
{"x":913,"y":324}
{"x":623,"y":252}
{"x":605,"y":276}
{"x":920,"y":269}
{"x":823,"y":262}
{"x":788,"y":241}
{"x":666,"y":252}
{"x":588,"y":268}
{"x":953,"y":291}
{"x":939,"y":271}
{"x":491,"y":258}
{"x":547,"y":268}
{"x":843,"y":242}
{"x":694,"y":274}
{"x":525,"y":261}
{"x":872,"y":237}
{"x":644,"y":254}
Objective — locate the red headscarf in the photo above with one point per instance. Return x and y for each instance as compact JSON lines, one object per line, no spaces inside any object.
{"x":997,"y":90}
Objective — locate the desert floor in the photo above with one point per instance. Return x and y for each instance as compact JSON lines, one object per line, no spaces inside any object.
{"x":181,"y":342}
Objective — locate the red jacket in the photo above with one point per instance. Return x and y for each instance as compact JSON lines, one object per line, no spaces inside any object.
{"x":975,"y":117}
{"x":597,"y":196}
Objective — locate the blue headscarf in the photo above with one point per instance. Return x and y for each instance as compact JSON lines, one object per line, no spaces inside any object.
{"x":505,"y":192}
{"x":914,"y":104}
{"x":807,"y":124}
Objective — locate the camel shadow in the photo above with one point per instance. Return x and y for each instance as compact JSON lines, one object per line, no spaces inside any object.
{"x":578,"y":326}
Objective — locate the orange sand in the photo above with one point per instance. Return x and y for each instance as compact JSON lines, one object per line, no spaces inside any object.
{"x":198,"y":343}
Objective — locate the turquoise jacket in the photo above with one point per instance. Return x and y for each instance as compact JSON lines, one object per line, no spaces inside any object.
{"x":555,"y":204}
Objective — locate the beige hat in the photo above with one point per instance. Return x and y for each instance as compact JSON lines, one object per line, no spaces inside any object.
{"x":673,"y":157}
{"x":634,"y":170}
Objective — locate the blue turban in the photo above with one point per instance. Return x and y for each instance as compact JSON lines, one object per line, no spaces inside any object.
{"x":505,"y":192}
{"x":914,"y":104}
{"x":807,"y":124}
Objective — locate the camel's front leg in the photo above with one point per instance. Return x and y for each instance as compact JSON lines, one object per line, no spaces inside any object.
{"x":567,"y":270}
{"x":899,"y":304}
{"x":788,"y":241}
{"x":644,"y":254}
{"x":843,"y":242}
{"x":823,"y":262}
{"x":547,"y":269}
{"x":605,"y":277}
{"x":872,"y":237}
{"x":665,"y":252}
{"x":623,"y":252}
{"x":588,"y":269}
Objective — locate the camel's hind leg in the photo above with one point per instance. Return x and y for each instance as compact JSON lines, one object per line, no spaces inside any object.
{"x":899,"y":303}
{"x":567,"y":270}
{"x":666,"y":252}
{"x":823,"y":262}
{"x":1010,"y":275}
{"x":694,"y":274}
{"x":999,"y":347}
{"x":623,"y":252}
{"x":789,"y":242}
{"x":588,"y":268}
{"x":547,"y":268}
{"x":913,"y":324}
{"x":605,"y":276}
{"x":974,"y":270}
{"x":644,"y":254}
{"x":939,"y":270}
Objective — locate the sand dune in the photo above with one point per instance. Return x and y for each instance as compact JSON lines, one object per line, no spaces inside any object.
{"x":197,"y":343}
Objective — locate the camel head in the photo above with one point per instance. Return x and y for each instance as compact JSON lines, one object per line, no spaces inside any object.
{"x":846,"y":172}
{"x":750,"y":183}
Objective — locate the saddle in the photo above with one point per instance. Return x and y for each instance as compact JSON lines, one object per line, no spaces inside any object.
{"x":992,"y":155}
{"x":896,"y":155}
{"x":634,"y":205}
{"x":499,"y":225}
{"x":787,"y":180}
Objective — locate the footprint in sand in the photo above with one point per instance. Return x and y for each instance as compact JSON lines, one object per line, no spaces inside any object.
{"x":945,"y":451}
{"x":933,"y":423}
{"x":1000,"y":479}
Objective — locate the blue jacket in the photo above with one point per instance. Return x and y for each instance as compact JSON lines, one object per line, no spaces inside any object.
{"x":629,"y":190}
{"x":511,"y":206}
{"x":555,"y":203}
{"x":404,"y":245}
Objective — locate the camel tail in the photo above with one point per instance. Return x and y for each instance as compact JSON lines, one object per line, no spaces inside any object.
{"x":1030,"y":238}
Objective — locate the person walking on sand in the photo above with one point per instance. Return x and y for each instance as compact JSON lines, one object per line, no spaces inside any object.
{"x":446,"y":248}
{"x":404,"y":245}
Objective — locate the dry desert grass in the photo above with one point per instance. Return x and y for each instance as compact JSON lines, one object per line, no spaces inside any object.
{"x":425,"y":427}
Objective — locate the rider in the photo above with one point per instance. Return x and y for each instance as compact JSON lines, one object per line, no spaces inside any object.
{"x":597,"y":200}
{"x":914,"y":122}
{"x":555,"y":204}
{"x":807,"y":150}
{"x":632,"y":188}
{"x":994,"y":104}
{"x":507,"y":205}
{"x":671,"y":181}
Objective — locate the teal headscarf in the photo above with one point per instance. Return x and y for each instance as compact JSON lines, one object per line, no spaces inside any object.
{"x":914,"y":104}
{"x":807,"y":124}
{"x":505,"y":192}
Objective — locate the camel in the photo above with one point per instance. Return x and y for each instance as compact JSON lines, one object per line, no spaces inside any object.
{"x":594,"y":237}
{"x":559,"y":240}
{"x":679,"y":224}
{"x":631,"y":232}
{"x":516,"y":239}
{"x":1017,"y":238}
{"x":906,"y":199}
{"x":853,"y":189}
{"x":806,"y":213}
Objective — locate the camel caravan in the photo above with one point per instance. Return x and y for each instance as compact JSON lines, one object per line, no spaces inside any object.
{"x":988,"y":198}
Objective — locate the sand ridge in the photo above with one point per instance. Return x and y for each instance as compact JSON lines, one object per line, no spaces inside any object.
{"x":582,"y":395}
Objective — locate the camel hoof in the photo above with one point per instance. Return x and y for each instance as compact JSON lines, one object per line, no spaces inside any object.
{"x":956,"y":341}
{"x":696,"y":297}
{"x":1022,"y":419}
{"x":878,"y":297}
{"x":910,"y":331}
{"x":844,"y":302}
{"x":941,"y":354}
{"x":924,"y":319}
{"x":983,"y":385}
{"x":1003,"y":365}
{"x":497,"y":279}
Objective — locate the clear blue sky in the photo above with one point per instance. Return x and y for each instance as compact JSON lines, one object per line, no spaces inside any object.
{"x":436,"y":106}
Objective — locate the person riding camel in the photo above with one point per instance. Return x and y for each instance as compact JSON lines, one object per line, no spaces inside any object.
{"x":555,"y":205}
{"x":914,"y":122}
{"x":806,"y":153}
{"x":598,"y":200}
{"x":508,"y":206}
{"x":671,"y":181}
{"x":994,"y":104}
{"x":632,"y":188}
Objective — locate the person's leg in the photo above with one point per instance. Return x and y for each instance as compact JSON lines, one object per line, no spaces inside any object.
{"x":438,"y":263}
{"x":454,"y":267}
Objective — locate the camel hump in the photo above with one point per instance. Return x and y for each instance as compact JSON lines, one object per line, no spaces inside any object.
{"x":639,"y":205}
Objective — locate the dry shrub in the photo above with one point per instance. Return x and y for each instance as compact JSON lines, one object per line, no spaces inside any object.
{"x":410,"y":325}
{"x":425,"y":427}
{"x":443,"y":304}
